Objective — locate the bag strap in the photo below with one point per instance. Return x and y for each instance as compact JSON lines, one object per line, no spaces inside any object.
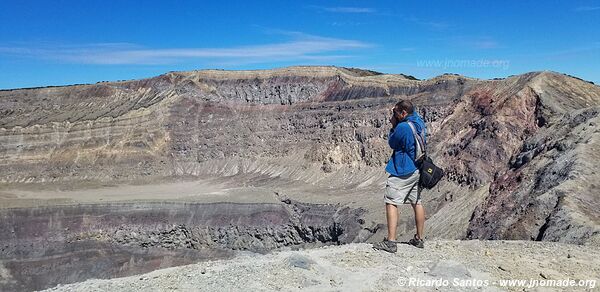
{"x":418,"y":138}
{"x":420,"y":144}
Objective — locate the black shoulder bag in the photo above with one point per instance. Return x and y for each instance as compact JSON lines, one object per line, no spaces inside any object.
{"x":430,"y":173}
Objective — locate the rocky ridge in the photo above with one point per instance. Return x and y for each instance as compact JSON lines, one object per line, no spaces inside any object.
{"x":443,"y":265}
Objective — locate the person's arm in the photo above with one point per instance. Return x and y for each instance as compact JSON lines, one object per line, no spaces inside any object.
{"x":399,"y":137}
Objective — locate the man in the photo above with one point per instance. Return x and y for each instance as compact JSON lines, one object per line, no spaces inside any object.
{"x":402,"y":185}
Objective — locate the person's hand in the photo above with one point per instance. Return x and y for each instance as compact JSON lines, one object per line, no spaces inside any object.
{"x":394,"y":119}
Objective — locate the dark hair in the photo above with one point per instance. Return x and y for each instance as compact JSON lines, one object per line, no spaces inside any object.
{"x":405,"y":105}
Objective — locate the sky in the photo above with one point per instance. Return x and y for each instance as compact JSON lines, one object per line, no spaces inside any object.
{"x":45,"y":43}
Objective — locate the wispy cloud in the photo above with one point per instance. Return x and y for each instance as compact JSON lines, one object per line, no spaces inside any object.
{"x":589,"y":50}
{"x":586,"y":8}
{"x":300,"y":47}
{"x":438,"y":25}
{"x":345,"y":9}
{"x":407,"y":49}
{"x":346,"y":23}
{"x":487,"y":43}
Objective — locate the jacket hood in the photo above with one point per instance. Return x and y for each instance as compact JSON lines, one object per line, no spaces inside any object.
{"x":417,"y":120}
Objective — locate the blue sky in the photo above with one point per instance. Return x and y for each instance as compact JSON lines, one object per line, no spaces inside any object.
{"x":67,"y":42}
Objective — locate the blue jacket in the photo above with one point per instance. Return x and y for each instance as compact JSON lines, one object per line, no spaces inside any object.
{"x":402,"y":141}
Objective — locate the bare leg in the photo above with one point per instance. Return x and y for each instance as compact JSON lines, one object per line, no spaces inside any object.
{"x":419,"y":219}
{"x":391,"y":212}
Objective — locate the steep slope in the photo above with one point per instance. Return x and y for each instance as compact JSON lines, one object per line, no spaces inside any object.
{"x":550,"y":191}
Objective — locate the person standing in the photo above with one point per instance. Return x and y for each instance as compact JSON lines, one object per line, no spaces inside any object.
{"x":402,"y":185}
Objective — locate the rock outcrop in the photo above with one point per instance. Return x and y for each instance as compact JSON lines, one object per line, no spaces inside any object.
{"x":443,"y":265}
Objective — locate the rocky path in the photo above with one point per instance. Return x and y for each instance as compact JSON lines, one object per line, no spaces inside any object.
{"x":442,"y":265}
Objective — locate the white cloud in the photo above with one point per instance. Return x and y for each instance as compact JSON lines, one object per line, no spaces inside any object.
{"x":485,"y":44}
{"x":407,"y":49}
{"x":349,"y":9}
{"x":300,"y":47}
{"x":427,"y":23}
{"x":345,"y":9}
{"x":587,"y":8}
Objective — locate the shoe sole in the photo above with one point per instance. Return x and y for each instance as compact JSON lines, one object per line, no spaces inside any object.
{"x":390,"y":251}
{"x":417,"y":245}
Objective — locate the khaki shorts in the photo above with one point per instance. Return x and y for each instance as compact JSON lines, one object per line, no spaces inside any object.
{"x":402,"y":189}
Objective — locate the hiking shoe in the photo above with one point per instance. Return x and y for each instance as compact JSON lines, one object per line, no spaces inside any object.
{"x":417,"y":242}
{"x":386,"y":245}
